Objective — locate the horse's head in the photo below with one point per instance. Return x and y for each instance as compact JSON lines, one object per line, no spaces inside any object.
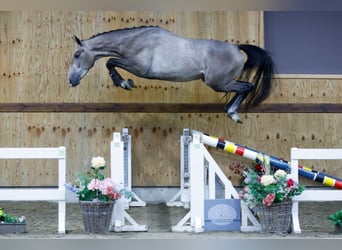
{"x":83,"y":60}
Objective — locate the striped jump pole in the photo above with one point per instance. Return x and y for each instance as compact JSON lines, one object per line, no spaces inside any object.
{"x":279,"y":163}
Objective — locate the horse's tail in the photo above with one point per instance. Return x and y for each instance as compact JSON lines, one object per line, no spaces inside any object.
{"x":260,"y":67}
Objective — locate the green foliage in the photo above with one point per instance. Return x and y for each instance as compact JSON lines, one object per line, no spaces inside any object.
{"x":336,"y":218}
{"x":6,"y":218}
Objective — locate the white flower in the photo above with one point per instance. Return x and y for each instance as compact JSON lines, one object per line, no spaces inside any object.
{"x":280,"y":173}
{"x":21,"y":219}
{"x":267,"y":180}
{"x":98,"y":162}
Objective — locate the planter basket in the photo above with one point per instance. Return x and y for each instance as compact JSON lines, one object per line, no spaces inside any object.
{"x":338,"y":229}
{"x":275,"y":218}
{"x":12,"y":228}
{"x":96,"y":216}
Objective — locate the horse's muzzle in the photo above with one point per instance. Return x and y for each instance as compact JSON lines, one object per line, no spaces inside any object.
{"x":73,"y":83}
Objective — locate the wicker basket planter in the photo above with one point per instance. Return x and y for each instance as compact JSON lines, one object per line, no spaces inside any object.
{"x":275,"y":218}
{"x":6,"y":228}
{"x":96,"y":216}
{"x":338,"y":228}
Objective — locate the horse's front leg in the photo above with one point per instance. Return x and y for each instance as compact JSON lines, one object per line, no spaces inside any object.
{"x":116,"y":77}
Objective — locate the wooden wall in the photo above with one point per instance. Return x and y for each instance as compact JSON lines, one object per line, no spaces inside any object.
{"x":36,"y":50}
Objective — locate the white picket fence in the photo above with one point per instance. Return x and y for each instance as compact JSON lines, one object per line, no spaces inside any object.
{"x":319,"y":195}
{"x":39,"y":193}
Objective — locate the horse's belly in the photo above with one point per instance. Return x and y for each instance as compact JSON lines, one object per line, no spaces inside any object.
{"x":177,"y":76}
{"x":177,"y":72}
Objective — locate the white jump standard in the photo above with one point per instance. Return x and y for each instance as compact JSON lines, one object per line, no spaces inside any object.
{"x":203,"y":175}
{"x":182,"y":197}
{"x":120,"y":158}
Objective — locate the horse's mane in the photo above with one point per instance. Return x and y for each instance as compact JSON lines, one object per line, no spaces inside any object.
{"x":124,"y":29}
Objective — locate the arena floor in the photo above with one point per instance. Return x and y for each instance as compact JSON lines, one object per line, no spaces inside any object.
{"x":42,"y":222}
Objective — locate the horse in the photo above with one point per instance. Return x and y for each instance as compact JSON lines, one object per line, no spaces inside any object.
{"x":152,"y":52}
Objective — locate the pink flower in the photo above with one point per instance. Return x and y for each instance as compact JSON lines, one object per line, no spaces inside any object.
{"x":268,"y":200}
{"x":247,"y":180}
{"x":107,"y":186}
{"x":94,"y":184}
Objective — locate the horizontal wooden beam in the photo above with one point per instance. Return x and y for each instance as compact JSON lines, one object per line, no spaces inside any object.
{"x":167,"y":108}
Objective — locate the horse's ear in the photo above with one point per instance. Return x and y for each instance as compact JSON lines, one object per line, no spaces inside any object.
{"x":77,"y":40}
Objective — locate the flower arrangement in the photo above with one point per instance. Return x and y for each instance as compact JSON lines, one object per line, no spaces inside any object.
{"x":6,"y":218}
{"x":94,"y":186}
{"x":266,"y":185}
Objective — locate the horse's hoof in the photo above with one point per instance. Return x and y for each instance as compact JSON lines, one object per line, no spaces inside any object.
{"x":130,"y":83}
{"x":235,"y":117}
{"x":127,"y":84}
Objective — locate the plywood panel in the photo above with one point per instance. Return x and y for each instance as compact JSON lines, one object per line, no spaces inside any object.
{"x":155,"y":138}
{"x":38,"y":48}
{"x":306,"y":90}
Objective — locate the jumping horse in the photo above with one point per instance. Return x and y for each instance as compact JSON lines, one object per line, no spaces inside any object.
{"x":154,"y":53}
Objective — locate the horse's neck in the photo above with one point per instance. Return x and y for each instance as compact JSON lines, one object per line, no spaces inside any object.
{"x":103,"y":47}
{"x":110,"y":44}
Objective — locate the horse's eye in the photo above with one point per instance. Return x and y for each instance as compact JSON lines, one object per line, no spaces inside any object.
{"x":77,"y":54}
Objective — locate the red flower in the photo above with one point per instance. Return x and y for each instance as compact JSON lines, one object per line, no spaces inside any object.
{"x":289,"y":183}
{"x":258,"y":168}
{"x":268,"y":200}
{"x":114,"y":195}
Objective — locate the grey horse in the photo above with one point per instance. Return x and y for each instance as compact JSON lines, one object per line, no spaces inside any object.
{"x":154,"y":53}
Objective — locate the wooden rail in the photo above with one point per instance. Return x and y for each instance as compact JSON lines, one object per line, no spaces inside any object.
{"x":56,"y":194}
{"x":167,"y":107}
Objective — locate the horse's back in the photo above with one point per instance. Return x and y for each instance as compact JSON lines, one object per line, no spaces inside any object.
{"x":165,"y":55}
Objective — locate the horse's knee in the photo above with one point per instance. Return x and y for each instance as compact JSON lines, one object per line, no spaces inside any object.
{"x":250,"y":87}
{"x":110,"y":63}
{"x":244,"y":87}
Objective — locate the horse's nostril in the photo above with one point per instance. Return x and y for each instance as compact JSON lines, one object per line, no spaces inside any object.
{"x":73,"y":84}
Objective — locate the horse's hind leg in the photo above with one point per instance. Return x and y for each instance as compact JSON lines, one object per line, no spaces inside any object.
{"x":116,"y":77}
{"x":232,"y":107}
{"x":241,"y":89}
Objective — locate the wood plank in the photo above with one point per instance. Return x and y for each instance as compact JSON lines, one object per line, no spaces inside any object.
{"x":167,"y":107}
